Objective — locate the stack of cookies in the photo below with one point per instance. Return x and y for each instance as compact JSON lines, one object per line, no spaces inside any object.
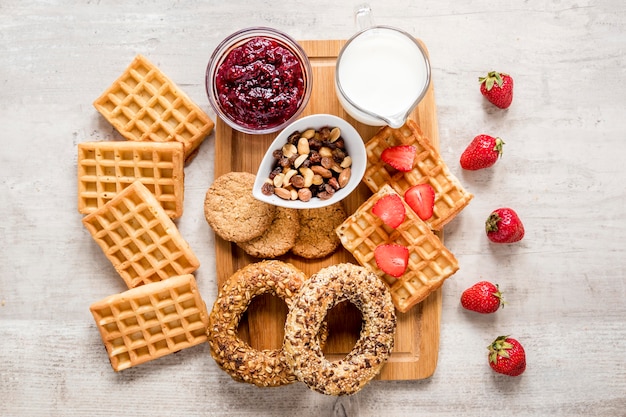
{"x":130,"y":192}
{"x":430,"y":262}
{"x":266,"y":231}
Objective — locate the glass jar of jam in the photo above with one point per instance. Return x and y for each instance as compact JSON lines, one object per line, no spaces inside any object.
{"x":258,"y":80}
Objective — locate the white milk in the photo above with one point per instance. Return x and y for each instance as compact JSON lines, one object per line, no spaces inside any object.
{"x":384,"y":72}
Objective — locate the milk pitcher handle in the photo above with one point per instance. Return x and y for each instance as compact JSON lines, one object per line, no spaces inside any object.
{"x":363,"y":16}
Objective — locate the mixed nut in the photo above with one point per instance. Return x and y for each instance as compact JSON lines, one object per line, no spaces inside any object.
{"x":313,"y":163}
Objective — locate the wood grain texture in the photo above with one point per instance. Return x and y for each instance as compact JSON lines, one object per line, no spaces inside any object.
{"x":563,"y":171}
{"x":417,"y":335}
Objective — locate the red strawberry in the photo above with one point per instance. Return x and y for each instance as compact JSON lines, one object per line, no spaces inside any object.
{"x":421,"y":198}
{"x":482,"y":297}
{"x":390,"y":209}
{"x":504,"y":226}
{"x":400,"y":157}
{"x":482,"y":152}
{"x":497,"y":87}
{"x":507,"y":356}
{"x":392,"y":259}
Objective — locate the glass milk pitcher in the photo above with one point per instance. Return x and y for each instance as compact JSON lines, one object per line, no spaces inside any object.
{"x":382,"y":73}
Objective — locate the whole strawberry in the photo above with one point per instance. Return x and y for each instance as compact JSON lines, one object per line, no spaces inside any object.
{"x":504,"y":226}
{"x":507,"y":356}
{"x":497,"y":87}
{"x":482,"y":152}
{"x":482,"y":297}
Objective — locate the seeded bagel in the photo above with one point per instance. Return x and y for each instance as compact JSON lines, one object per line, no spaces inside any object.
{"x":320,"y":293}
{"x":266,"y":368}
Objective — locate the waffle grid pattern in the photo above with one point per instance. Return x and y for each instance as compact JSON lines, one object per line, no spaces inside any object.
{"x":152,"y":321}
{"x":430,"y":262}
{"x":139,"y":239}
{"x":145,"y":105}
{"x":450,"y":196}
{"x":106,"y":168}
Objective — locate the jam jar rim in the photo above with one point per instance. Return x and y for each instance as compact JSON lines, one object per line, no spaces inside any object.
{"x":238,"y":38}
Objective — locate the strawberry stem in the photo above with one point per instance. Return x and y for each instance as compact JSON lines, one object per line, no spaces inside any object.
{"x":493,"y":77}
{"x":498,"y":146}
{"x":491,"y":225}
{"x":498,"y":295}
{"x":499,"y":347}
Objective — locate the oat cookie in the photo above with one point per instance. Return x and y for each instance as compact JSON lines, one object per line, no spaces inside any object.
{"x":231,"y":210}
{"x":278,"y":238}
{"x":317,"y":237}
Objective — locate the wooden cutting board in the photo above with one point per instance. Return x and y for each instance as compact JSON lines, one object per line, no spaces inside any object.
{"x":417,"y":336}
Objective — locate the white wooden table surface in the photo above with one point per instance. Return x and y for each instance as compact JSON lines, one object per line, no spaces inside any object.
{"x":563,"y":171}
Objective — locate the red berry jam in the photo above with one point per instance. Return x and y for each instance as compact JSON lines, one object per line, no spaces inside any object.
{"x":260,"y":84}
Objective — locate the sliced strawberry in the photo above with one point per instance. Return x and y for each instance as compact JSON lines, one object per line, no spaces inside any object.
{"x":421,"y":198}
{"x":400,"y":157}
{"x":392,"y":259}
{"x":390,"y":209}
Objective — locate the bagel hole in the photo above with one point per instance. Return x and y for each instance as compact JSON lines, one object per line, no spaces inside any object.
{"x":344,"y":327}
{"x":263,"y":324}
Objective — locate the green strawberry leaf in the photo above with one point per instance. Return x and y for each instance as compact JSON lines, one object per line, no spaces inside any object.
{"x":493,"y":77}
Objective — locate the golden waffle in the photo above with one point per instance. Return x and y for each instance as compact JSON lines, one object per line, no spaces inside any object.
{"x":151,"y":321}
{"x":430,"y":263}
{"x":145,"y":105}
{"x":139,"y":239}
{"x":106,"y":168}
{"x":450,"y":197}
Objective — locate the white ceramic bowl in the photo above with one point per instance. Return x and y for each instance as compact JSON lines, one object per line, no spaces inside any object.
{"x":355,"y":148}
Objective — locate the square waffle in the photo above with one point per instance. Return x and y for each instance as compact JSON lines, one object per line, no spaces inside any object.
{"x":430,"y":263}
{"x":106,"y":168}
{"x":151,"y":321}
{"x":450,"y":196}
{"x":145,"y":105}
{"x":139,"y":239}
